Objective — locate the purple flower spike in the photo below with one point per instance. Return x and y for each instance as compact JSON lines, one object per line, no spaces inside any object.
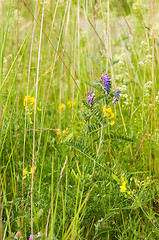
{"x":90,"y":97}
{"x":116,"y":97}
{"x":106,"y":82}
{"x":90,"y":92}
{"x":117,"y":93}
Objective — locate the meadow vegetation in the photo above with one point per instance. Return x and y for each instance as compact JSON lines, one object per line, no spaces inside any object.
{"x":79,"y":129}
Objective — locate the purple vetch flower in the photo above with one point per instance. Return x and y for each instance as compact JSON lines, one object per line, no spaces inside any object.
{"x":90,"y":92}
{"x":90,"y":97}
{"x":116,"y":96}
{"x":106,"y":82}
{"x":32,"y":237}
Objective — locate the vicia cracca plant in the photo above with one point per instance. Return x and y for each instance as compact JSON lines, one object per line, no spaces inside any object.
{"x":107,"y":86}
{"x":101,"y":103}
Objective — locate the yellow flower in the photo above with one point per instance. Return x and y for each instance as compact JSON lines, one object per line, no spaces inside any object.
{"x":109,"y":110}
{"x":32,"y":100}
{"x":123,"y":187}
{"x":33,"y":170}
{"x":106,"y":110}
{"x":31,"y":121}
{"x":65,"y":131}
{"x":25,"y":172}
{"x":112,"y":115}
{"x":39,"y":107}
{"x":29,"y":100}
{"x":108,"y":113}
{"x":129,"y":192}
{"x":71,"y":103}
{"x":62,"y":107}
{"x":25,"y":100}
{"x":112,"y":123}
{"x":103,"y":108}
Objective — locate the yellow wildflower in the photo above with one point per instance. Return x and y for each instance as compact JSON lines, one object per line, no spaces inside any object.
{"x":109,"y":110}
{"x":112,"y":115}
{"x":112,"y":123}
{"x":65,"y":131}
{"x":104,"y":107}
{"x":62,"y":107}
{"x":25,"y":172}
{"x":29,"y":100}
{"x":32,"y":100}
{"x":71,"y":103}
{"x":31,"y":121}
{"x":33,"y":170}
{"x":108,"y":113}
{"x":123,"y":187}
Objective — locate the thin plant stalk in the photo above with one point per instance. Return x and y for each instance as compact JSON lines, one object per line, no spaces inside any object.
{"x":17,"y":108}
{"x":52,"y":196}
{"x":36,"y":94}
{"x":0,"y":12}
{"x":31,"y":49}
{"x":0,"y":181}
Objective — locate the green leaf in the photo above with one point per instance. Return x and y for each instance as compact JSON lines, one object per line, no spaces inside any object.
{"x":116,"y":178}
{"x":68,"y":137}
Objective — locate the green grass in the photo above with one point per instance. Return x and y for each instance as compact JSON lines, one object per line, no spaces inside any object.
{"x":82,"y":161}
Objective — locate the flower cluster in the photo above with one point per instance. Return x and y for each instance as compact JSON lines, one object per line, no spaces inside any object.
{"x":109,"y":114}
{"x":107,"y":87}
{"x":106,"y":82}
{"x":59,"y":133}
{"x":29,"y":102}
{"x":90,"y":97}
{"x":26,"y":173}
{"x":157,"y":97}
{"x":70,"y":103}
{"x":107,"y":97}
{"x":116,"y":96}
{"x":148,"y":88}
{"x":62,"y":107}
{"x":123,"y":184}
{"x":123,"y":187}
